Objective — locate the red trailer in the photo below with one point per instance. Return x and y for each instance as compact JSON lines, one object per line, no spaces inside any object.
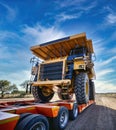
{"x":29,"y":115}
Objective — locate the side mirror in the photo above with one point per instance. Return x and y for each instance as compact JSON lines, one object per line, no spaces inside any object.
{"x":32,"y":60}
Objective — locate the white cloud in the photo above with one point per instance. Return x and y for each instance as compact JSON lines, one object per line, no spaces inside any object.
{"x":8,"y":34}
{"x":82,"y":5}
{"x":104,"y":87}
{"x":4,"y":54}
{"x":39,"y":34}
{"x":9,"y":42}
{"x":99,"y":46}
{"x":63,"y":16}
{"x":108,"y":61}
{"x":103,"y":67}
{"x":11,"y":13}
{"x":113,"y":37}
{"x":79,"y":6}
{"x":107,"y":9}
{"x":104,"y":72}
{"x":113,"y":50}
{"x":103,"y":81}
{"x":89,"y":6}
{"x":67,"y":3}
{"x":111,"y":18}
{"x":102,"y":64}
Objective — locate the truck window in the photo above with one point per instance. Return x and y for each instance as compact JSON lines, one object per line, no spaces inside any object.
{"x":78,"y":51}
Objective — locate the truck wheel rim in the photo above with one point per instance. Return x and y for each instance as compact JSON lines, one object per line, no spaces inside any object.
{"x":63,"y":119}
{"x":38,"y":126}
{"x":47,"y":91}
{"x":87,"y":89}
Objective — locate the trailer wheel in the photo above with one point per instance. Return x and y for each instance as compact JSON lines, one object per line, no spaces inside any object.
{"x":74,"y":112}
{"x":91,"y":90}
{"x":43,"y":94}
{"x":60,"y":122}
{"x":22,"y":116}
{"x":33,"y":122}
{"x":82,"y":88}
{"x":68,"y":96}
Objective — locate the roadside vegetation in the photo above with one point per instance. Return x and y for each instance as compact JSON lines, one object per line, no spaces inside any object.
{"x":9,"y":90}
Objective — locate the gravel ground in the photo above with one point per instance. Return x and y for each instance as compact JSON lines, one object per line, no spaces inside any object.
{"x":99,"y":116}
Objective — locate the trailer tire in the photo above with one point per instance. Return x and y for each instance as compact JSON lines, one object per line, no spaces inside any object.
{"x":91,"y":90}
{"x":82,"y":88}
{"x":60,"y":122}
{"x":33,"y":121}
{"x":22,"y":116}
{"x":39,"y":96}
{"x":74,"y":112}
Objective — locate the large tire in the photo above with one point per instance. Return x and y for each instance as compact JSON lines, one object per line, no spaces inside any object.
{"x":91,"y":90}
{"x":60,"y":122}
{"x":35,"y":121}
{"x":24,"y":115}
{"x":74,"y":112}
{"x":39,"y":96}
{"x":68,"y":96}
{"x":81,"y":88}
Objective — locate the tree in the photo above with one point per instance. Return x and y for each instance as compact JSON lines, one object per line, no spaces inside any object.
{"x":13,"y":88}
{"x":6,"y":86}
{"x":25,"y":85}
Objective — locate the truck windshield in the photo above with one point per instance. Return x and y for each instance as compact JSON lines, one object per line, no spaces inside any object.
{"x":77,"y":51}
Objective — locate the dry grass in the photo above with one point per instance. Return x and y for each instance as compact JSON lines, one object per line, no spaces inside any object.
{"x":107,"y":94}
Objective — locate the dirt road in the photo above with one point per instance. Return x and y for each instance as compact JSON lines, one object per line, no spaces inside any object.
{"x":99,"y":116}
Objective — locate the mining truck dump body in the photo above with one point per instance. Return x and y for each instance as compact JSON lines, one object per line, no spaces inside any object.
{"x":61,"y":47}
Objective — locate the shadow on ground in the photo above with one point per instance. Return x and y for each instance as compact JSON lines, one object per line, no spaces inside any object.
{"x":95,"y":117}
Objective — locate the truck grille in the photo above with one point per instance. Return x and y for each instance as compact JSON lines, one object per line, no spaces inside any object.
{"x":51,"y":71}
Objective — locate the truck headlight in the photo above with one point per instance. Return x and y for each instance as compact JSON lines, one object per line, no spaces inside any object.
{"x":81,"y":66}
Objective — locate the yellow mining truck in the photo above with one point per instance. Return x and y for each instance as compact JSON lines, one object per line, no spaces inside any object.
{"x":66,"y":66}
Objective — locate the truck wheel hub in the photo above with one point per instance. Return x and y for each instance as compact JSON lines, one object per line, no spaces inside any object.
{"x":46,"y":91}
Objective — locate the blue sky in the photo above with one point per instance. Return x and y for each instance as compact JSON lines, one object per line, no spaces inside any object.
{"x":30,"y":22}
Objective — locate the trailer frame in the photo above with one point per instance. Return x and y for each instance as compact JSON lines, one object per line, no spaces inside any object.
{"x":10,"y":111}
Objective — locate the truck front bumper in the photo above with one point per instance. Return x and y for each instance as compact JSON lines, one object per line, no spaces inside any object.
{"x":52,"y":82}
